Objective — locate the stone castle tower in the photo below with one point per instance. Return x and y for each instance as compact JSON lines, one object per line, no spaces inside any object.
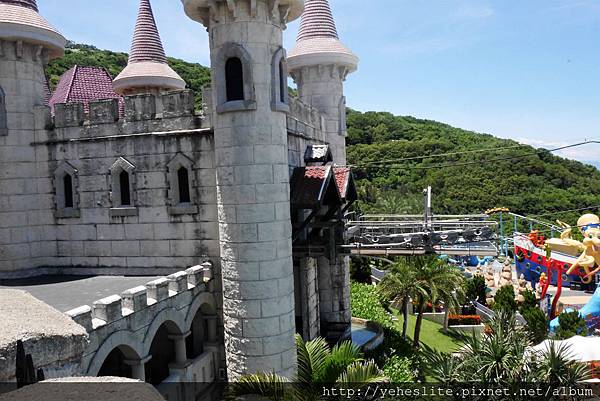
{"x":27,"y":43}
{"x":319,"y":65}
{"x":249,"y":92}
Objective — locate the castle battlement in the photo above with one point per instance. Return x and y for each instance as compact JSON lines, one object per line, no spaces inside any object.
{"x":134,"y":114}
{"x":117,"y":307}
{"x":305,"y":120}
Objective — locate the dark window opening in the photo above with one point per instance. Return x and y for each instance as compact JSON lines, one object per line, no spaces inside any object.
{"x":183,"y":180}
{"x":68,"y":190}
{"x":3,"y":118}
{"x":162,"y":351}
{"x":282,"y":82}
{"x":234,"y":79}
{"x":124,"y":187}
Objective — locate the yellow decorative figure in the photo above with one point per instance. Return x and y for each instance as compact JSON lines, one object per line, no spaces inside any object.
{"x":588,"y":250}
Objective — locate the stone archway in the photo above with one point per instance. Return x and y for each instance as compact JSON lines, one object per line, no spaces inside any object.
{"x":125,"y":341}
{"x":119,"y":363}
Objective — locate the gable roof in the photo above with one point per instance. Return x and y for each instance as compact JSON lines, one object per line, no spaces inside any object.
{"x":313,"y":187}
{"x":344,"y":180}
{"x":83,"y":85}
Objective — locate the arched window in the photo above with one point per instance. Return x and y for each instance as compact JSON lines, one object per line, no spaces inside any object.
{"x":183,"y":180}
{"x":122,"y":181}
{"x":68,"y":190}
{"x":234,"y":79}
{"x":3,"y":118}
{"x":279,"y":82}
{"x":282,"y":82}
{"x":65,"y":183}
{"x":124,"y":188}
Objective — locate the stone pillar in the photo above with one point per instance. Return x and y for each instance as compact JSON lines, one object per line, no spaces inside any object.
{"x":211,"y":328}
{"x":334,"y":295}
{"x":252,"y":183}
{"x":138,"y":367}
{"x":180,"y":347}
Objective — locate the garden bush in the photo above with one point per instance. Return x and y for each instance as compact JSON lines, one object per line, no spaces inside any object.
{"x":475,"y":289}
{"x":537,"y":324}
{"x":504,"y":300}
{"x":399,"y":369}
{"x":571,"y":324}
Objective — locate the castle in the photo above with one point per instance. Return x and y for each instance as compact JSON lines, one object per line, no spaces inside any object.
{"x":240,"y":204}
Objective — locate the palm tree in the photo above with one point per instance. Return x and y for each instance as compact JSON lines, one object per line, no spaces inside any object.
{"x":398,"y":286}
{"x":317,"y":364}
{"x":424,"y":279}
{"x":500,"y":358}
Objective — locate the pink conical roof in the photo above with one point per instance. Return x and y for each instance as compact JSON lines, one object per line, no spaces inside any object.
{"x":23,"y":3}
{"x":318,"y":42}
{"x":317,"y":21}
{"x":20,"y":19}
{"x":147,"y":67}
{"x":146,"y":45}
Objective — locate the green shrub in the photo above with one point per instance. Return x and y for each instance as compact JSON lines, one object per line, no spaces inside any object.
{"x":571,"y":324}
{"x":366,"y":305}
{"x":475,"y":289}
{"x":504,"y":300}
{"x":529,"y":302}
{"x":399,"y":369}
{"x":537,"y":324}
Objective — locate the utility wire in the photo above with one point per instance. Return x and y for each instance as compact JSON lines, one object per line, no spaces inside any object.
{"x":395,"y":165}
{"x":566,"y":211}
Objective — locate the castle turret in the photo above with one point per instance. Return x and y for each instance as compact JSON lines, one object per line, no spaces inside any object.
{"x":319,"y":65}
{"x":27,"y":42}
{"x":147,"y":70}
{"x":249,"y":96}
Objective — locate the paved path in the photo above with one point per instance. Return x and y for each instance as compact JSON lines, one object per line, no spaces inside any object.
{"x":68,"y":292}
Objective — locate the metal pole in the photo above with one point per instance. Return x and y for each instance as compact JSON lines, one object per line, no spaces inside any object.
{"x":502,"y":239}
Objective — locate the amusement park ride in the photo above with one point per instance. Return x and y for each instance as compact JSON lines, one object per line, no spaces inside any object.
{"x":545,"y":254}
{"x":389,"y":235}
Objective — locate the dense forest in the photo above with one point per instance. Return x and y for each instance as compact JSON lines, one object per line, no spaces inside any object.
{"x":469,"y":172}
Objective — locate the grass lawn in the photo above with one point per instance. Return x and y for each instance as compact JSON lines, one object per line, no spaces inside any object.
{"x":432,"y":334}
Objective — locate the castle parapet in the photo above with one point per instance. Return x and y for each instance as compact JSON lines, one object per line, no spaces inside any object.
{"x":126,"y":306}
{"x":172,"y":111}
{"x":305,"y":120}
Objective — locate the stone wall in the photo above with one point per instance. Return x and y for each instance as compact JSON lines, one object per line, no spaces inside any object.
{"x":305,"y":126}
{"x":23,"y":210}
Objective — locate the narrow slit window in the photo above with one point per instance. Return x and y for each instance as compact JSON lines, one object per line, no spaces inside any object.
{"x":183,"y":181}
{"x":68,"y":190}
{"x":124,"y":187}
{"x":3,"y":117}
{"x":234,"y":79}
{"x":282,"y":82}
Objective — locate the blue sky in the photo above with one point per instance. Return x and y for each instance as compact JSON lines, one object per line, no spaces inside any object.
{"x":528,"y":70}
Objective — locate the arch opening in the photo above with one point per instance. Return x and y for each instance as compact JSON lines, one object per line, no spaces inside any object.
{"x":124,"y":188}
{"x":183,"y":179}
{"x":68,"y":190}
{"x":162,"y":350}
{"x":234,"y":79}
{"x":115,"y":362}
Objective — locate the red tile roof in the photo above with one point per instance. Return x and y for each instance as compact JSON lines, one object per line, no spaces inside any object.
{"x":312,"y":187}
{"x":23,"y":3}
{"x":342,"y":179}
{"x":85,"y":84}
{"x":146,"y":45}
{"x":317,"y":21}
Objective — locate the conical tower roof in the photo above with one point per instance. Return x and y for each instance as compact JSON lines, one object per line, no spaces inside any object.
{"x":20,"y":20}
{"x":147,"y":67}
{"x":318,"y":41}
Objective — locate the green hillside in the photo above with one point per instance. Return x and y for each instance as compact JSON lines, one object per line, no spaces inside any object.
{"x":527,"y":180}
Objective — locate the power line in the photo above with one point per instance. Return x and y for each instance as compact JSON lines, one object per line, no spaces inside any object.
{"x":566,"y":211}
{"x":395,"y":165}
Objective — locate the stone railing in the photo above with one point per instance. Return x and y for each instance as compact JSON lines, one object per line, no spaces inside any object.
{"x":117,"y":307}
{"x":305,"y":120}
{"x":133,"y":114}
